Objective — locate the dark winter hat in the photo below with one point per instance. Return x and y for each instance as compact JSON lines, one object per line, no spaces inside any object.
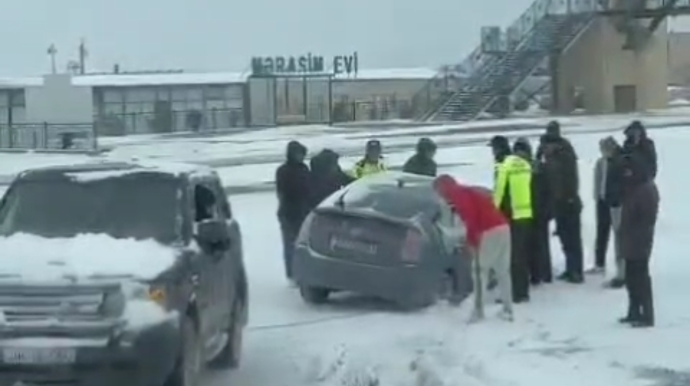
{"x":608,"y":143}
{"x":634,"y":126}
{"x":522,"y":145}
{"x":553,"y":129}
{"x":499,"y":142}
{"x":426,"y":144}
{"x":296,"y":148}
{"x":373,"y":144}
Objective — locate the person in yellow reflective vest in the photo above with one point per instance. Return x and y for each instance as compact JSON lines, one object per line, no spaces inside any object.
{"x":372,"y":163}
{"x":513,"y":195}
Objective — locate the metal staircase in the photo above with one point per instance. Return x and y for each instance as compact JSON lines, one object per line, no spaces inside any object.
{"x":546,"y":27}
{"x":499,"y":78}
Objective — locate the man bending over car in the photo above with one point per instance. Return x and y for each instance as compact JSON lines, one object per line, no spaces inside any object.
{"x":488,"y":239}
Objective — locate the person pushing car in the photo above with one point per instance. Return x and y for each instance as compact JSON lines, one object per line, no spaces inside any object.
{"x":488,"y":239}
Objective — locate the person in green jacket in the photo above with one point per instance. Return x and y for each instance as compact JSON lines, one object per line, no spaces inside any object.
{"x":372,"y":163}
{"x":422,"y":162}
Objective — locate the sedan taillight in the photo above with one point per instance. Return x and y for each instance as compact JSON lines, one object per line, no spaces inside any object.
{"x":412,"y":246}
{"x":303,"y":235}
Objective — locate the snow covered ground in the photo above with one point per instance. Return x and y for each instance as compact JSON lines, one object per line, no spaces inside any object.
{"x":567,"y":335}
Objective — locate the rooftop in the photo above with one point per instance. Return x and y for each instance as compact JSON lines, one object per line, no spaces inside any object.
{"x":183,"y":78}
{"x":109,"y":169}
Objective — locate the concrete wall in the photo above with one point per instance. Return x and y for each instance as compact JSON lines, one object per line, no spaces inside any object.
{"x":679,"y":58}
{"x":58,"y":101}
{"x":596,"y":63}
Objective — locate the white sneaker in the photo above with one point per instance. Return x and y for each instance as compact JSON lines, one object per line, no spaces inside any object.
{"x":595,"y":271}
{"x":506,"y":315}
{"x":476,"y":316}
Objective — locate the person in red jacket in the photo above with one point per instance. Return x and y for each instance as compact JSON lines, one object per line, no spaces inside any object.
{"x":488,"y":239}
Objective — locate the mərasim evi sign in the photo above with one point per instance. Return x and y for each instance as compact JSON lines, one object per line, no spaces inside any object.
{"x":305,"y":65}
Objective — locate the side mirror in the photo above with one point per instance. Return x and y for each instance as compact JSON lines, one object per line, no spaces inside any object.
{"x":213,"y":235}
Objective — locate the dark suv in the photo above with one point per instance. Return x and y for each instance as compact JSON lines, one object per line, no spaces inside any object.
{"x":132,"y":275}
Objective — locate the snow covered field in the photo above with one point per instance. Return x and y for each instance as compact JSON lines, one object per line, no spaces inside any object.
{"x":567,"y":335}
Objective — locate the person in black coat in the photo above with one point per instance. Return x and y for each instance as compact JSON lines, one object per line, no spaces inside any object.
{"x":293,"y":181}
{"x":561,"y":171}
{"x":326,"y":176}
{"x":637,"y":141}
{"x":639,"y":214}
{"x":422,"y":162}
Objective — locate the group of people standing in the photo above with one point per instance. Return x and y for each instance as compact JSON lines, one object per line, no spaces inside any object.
{"x":530,"y":191}
{"x":301,"y":187}
{"x":508,"y":233}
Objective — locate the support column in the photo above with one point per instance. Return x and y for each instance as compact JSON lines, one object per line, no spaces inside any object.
{"x":614,"y":79}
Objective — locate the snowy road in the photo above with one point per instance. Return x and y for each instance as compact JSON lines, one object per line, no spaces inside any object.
{"x":565,"y":335}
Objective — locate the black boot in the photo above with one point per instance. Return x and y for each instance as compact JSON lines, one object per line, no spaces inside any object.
{"x":647,"y":305}
{"x":633,"y":314}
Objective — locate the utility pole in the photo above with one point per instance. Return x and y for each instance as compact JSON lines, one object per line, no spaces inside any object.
{"x":52,"y":51}
{"x":83,"y":53}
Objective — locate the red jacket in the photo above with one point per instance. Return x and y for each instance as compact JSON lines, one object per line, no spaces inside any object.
{"x":475,"y":208}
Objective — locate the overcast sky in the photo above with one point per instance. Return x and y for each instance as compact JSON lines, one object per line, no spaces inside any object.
{"x":212,"y":35}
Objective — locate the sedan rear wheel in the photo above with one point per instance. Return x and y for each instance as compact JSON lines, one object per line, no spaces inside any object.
{"x":314,"y":295}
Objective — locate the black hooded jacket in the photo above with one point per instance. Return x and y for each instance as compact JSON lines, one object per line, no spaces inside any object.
{"x":326,"y":176}
{"x":562,"y":174}
{"x":420,"y":164}
{"x":644,"y":149}
{"x":293,"y":186}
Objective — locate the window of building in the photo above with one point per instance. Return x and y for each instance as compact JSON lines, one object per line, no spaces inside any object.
{"x":215,"y":93}
{"x":178,"y":94}
{"x":17,"y":98}
{"x":234,"y":93}
{"x":163,"y":94}
{"x":195,"y":94}
{"x":113,"y":96}
{"x":141,"y":95}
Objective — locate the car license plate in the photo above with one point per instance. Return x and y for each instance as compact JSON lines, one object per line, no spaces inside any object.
{"x":39,"y":356}
{"x":357,"y":246}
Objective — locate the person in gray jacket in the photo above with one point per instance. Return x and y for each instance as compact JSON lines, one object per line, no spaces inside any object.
{"x":608,"y":188}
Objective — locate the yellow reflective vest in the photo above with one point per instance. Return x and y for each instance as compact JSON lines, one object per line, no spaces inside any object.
{"x":514,"y":182}
{"x":363,"y":168}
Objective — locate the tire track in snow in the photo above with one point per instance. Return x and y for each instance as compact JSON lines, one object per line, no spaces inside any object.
{"x":311,"y":322}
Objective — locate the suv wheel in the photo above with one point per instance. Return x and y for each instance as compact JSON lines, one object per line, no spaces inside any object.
{"x":314,"y":295}
{"x":188,"y":367}
{"x":229,"y":357}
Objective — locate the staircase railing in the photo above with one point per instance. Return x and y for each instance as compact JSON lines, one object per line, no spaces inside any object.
{"x":516,"y":33}
{"x":519,"y":38}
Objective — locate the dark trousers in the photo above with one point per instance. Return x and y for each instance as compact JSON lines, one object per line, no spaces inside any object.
{"x":601,"y":243}
{"x":638,"y":282}
{"x":540,"y":253}
{"x":520,"y":237}
{"x":289,"y":230}
{"x":568,"y":229}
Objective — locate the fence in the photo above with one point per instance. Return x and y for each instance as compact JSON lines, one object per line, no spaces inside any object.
{"x":48,"y":136}
{"x":111,"y":124}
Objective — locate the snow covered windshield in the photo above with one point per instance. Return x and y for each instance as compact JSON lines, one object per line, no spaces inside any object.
{"x":125,"y":207}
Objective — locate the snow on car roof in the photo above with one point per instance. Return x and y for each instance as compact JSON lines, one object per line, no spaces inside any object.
{"x":104,"y":170}
{"x":397,"y":194}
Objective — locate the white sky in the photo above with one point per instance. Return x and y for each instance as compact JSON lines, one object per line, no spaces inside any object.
{"x":217,"y":34}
